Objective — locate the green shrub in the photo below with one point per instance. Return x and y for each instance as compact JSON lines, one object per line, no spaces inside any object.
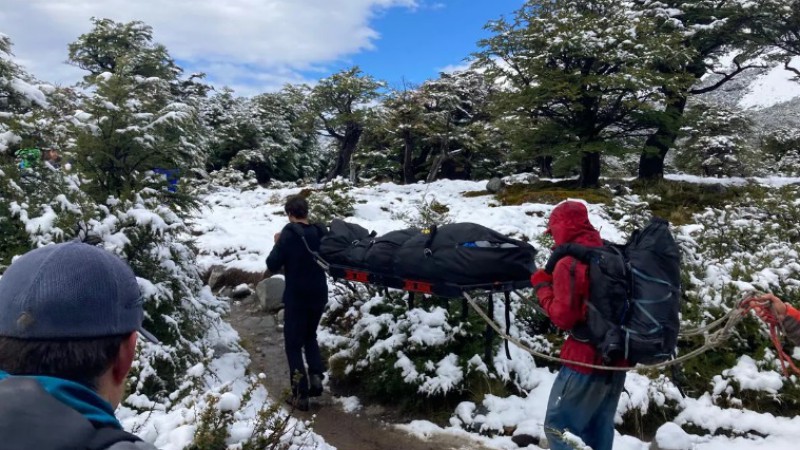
{"x":331,"y":202}
{"x":550,"y":193}
{"x":426,"y":213}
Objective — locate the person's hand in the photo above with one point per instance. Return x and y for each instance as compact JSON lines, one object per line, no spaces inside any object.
{"x":541,"y":279}
{"x":768,"y":305}
{"x":276,"y":237}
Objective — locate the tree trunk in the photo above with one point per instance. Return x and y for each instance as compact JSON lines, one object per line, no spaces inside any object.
{"x":419,"y":162}
{"x":408,"y":152}
{"x":658,"y":144}
{"x":435,"y":167}
{"x":348,"y":144}
{"x":545,"y":164}
{"x":590,"y":170}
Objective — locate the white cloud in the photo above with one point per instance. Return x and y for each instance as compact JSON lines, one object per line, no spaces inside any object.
{"x":249,"y":43}
{"x":453,"y":68}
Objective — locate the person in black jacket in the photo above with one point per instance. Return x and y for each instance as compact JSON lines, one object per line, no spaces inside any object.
{"x":69,"y":317}
{"x":304,"y":298}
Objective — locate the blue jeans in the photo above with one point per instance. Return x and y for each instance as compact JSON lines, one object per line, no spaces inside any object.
{"x":585,"y":406}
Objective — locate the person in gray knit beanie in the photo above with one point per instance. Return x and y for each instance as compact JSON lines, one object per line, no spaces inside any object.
{"x":70,"y":315}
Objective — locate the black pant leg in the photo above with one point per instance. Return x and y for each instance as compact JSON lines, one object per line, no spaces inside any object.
{"x":294,"y":327}
{"x":310,"y":344}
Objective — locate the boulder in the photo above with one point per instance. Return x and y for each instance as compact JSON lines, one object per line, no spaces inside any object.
{"x":251,"y":299}
{"x":619,"y":189}
{"x":270,"y":294}
{"x":530,"y":179}
{"x":220,"y":349}
{"x":495,"y":185}
{"x":525,"y":440}
{"x":216,"y":276}
{"x":241,"y":291}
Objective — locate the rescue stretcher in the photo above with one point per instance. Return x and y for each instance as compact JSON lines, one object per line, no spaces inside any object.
{"x":438,"y":288}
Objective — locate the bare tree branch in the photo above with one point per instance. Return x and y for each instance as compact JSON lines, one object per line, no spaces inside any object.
{"x":725,"y":78}
{"x":329,"y":128}
{"x":787,"y":66}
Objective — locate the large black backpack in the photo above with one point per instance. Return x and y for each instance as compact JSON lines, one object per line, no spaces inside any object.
{"x":346,"y":244}
{"x":380,"y":256}
{"x":634,"y":295}
{"x":464,"y":253}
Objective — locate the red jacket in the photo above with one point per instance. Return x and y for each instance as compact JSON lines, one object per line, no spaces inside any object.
{"x":565,"y":300}
{"x":791,"y":324}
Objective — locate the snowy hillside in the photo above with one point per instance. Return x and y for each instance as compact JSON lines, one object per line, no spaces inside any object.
{"x":771,"y":97}
{"x":771,"y":87}
{"x":235,"y":229}
{"x":754,"y":89}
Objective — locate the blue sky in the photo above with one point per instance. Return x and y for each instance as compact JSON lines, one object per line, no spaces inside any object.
{"x":257,"y":46}
{"x":414,"y":45}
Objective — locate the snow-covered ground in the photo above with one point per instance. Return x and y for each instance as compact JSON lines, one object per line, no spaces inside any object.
{"x":238,"y":226}
{"x":236,"y":393}
{"x":237,"y":231}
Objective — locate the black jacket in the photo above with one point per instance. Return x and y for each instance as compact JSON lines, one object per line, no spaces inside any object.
{"x":30,"y":418}
{"x":305,"y":279}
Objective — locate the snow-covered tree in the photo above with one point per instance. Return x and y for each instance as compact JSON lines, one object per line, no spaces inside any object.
{"x":716,"y":142}
{"x":18,"y":96}
{"x":783,"y":147}
{"x":778,"y":27}
{"x":339,"y":103}
{"x":122,"y":49}
{"x":588,"y":68}
{"x":287,"y":147}
{"x":404,"y":113}
{"x":268,"y":134}
{"x":141,"y":117}
{"x":440,"y":129}
{"x":710,"y":29}
{"x":230,"y":127}
{"x":460,"y":136}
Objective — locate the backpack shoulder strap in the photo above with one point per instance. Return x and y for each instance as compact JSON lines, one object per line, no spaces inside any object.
{"x":577,"y":251}
{"x":105,"y":438}
{"x":297,"y":229}
{"x":322,"y":228}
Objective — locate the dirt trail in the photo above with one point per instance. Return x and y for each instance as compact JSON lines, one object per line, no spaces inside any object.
{"x":367,"y":429}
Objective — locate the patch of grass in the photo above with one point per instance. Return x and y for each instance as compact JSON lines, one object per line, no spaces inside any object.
{"x":677,"y":201}
{"x":234,"y":277}
{"x":479,"y":385}
{"x":645,"y":425}
{"x":439,"y":208}
{"x":473,"y":194}
{"x":550,"y":193}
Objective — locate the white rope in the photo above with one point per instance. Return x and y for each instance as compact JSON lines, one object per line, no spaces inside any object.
{"x":711,"y":341}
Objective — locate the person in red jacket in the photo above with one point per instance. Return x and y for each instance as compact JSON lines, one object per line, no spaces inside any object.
{"x":583,"y":401}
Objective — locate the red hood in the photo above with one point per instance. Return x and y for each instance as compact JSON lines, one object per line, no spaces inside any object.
{"x":569,"y":222}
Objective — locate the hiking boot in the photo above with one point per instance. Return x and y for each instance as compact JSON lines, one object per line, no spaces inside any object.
{"x":299,"y":403}
{"x":315,"y":385}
